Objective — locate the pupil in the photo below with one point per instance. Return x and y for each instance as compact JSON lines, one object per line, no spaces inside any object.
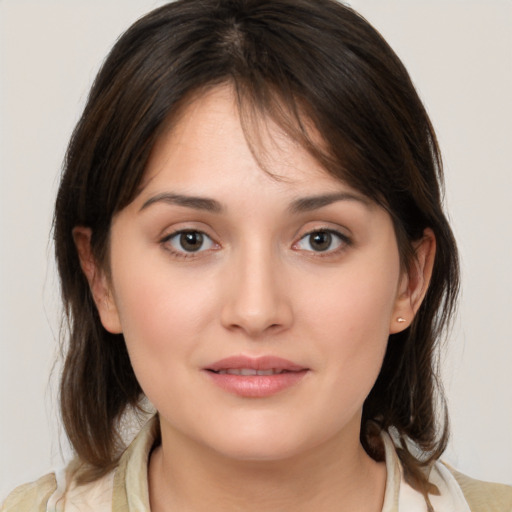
{"x":191,"y":241}
{"x":321,"y":241}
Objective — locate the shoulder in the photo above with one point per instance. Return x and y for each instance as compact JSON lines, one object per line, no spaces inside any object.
{"x":123,"y":487}
{"x":32,"y":497}
{"x":484,"y":496}
{"x":61,"y":492}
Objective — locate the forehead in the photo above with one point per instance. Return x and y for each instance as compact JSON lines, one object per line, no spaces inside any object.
{"x":213,"y":143}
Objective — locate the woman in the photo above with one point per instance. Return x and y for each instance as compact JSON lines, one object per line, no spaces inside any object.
{"x":249,"y":233}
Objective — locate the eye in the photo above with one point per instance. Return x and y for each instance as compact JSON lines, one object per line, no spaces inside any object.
{"x":188,"y":241}
{"x":322,"y":240}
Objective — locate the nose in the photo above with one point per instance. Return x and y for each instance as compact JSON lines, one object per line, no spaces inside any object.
{"x":256,"y":300}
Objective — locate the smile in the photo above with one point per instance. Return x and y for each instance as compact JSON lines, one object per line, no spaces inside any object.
{"x":255,"y":377}
{"x":247,"y":372}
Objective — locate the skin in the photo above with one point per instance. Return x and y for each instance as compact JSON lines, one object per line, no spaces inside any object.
{"x":257,"y":286}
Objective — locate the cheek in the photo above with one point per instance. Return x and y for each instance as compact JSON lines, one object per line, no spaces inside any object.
{"x":154,"y":316}
{"x":162,"y":312}
{"x":350,"y":319}
{"x":357,"y":304}
{"x":160,"y":327}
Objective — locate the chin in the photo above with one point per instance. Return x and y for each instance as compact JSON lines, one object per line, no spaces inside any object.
{"x":264,"y":443}
{"x":260,"y":451}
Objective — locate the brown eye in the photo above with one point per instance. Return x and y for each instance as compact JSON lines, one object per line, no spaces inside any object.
{"x":322,"y":241}
{"x":191,"y":241}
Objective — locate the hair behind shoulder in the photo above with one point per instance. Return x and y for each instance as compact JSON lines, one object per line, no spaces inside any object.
{"x":298,"y":62}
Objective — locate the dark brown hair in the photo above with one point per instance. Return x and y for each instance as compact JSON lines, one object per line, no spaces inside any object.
{"x":299,"y":62}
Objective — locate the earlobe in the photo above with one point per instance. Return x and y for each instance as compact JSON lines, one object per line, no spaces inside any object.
{"x":98,"y":281}
{"x":414,"y":283}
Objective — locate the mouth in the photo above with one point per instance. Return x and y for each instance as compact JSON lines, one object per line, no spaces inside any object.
{"x":241,"y":363}
{"x":255,"y":377}
{"x":247,"y":372}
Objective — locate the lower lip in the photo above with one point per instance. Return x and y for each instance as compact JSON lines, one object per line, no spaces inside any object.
{"x":256,"y":386}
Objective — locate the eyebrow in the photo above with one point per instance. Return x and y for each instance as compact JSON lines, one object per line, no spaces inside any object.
{"x":197,"y":203}
{"x":301,"y":205}
{"x":307,"y":204}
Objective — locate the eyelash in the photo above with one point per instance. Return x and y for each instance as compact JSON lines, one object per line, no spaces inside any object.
{"x":165,"y":241}
{"x":343,"y":242}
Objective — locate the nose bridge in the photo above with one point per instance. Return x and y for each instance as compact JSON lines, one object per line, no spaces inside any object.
{"x":256,"y":299}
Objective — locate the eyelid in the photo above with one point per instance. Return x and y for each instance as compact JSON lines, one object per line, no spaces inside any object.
{"x":166,"y":239}
{"x":184,"y":225}
{"x":345,"y":241}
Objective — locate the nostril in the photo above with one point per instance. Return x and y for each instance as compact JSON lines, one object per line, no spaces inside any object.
{"x":256,"y":310}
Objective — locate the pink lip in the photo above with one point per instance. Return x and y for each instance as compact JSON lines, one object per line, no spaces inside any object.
{"x":255,"y":363}
{"x":255,"y":386}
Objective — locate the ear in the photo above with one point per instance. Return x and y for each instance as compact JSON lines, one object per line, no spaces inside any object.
{"x":414,"y":283}
{"x":98,"y":281}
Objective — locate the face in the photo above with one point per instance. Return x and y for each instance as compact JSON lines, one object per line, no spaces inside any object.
{"x":256,"y":306}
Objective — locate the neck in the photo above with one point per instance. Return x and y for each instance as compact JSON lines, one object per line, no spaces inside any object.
{"x":333,"y":477}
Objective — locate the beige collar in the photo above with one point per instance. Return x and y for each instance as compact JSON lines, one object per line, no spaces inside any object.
{"x":130,"y":486}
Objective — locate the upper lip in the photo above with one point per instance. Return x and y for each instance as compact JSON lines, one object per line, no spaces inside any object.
{"x":255,"y":363}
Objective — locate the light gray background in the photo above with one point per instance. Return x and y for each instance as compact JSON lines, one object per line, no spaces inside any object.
{"x":459,"y":53}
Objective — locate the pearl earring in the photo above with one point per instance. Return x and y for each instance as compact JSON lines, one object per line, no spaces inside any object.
{"x":400,"y":320}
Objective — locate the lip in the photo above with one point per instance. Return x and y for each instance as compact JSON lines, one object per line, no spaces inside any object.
{"x":255,"y":386}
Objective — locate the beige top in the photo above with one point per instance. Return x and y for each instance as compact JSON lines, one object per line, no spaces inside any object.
{"x":126,"y":488}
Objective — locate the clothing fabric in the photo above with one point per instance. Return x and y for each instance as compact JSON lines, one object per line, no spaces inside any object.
{"x":125,"y":489}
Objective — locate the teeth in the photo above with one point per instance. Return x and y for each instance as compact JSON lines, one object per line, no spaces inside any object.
{"x":246,"y":372}
{"x":267,"y":372}
{"x":242,"y":371}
